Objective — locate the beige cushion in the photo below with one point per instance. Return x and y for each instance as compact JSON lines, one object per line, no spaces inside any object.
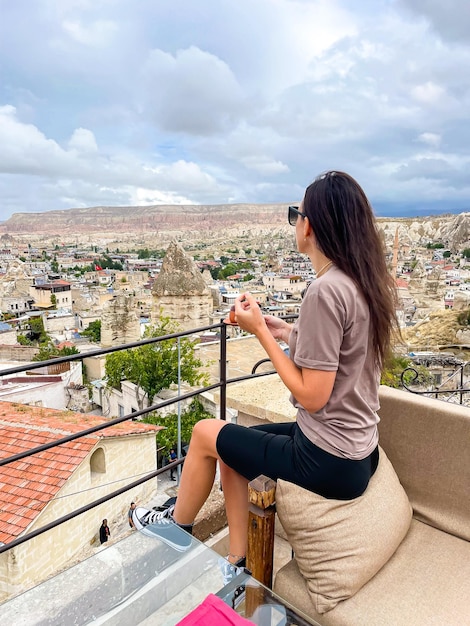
{"x":425,"y":583}
{"x":339,"y":545}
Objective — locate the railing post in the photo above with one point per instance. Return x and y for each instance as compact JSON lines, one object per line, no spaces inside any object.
{"x":461,"y":383}
{"x":223,"y":372}
{"x":261,"y":516}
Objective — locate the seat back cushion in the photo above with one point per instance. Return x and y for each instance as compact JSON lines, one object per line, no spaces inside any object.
{"x":427,"y":442}
{"x":340,"y":545}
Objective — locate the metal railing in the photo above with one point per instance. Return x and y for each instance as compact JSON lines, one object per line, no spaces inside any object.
{"x":221,"y":385}
{"x":439,"y":391}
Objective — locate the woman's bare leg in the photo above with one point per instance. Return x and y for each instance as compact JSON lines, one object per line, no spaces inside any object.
{"x":198,"y":472}
{"x":197,"y":479}
{"x":235,"y":489}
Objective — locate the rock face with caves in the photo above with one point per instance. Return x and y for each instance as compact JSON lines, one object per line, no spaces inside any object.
{"x":180,"y":291}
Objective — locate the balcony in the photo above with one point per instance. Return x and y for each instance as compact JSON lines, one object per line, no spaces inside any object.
{"x":58,"y":521}
{"x":124,"y":578}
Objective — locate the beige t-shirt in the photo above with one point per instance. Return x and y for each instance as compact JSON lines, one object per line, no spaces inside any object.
{"x":332,"y":334}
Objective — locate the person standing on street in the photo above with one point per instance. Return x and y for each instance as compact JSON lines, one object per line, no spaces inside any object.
{"x":104,"y":531}
{"x":129,"y":516}
{"x":172,"y":457}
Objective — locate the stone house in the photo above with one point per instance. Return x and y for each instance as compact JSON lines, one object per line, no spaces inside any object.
{"x":117,"y":403}
{"x":16,"y":303}
{"x":14,"y":289}
{"x":293,"y":284}
{"x":39,"y":489}
{"x":42,"y":294}
{"x":54,"y":387}
{"x":60,"y":323}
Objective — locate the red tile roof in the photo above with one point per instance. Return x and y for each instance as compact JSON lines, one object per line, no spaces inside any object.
{"x":27,"y":485}
{"x":401,"y":283}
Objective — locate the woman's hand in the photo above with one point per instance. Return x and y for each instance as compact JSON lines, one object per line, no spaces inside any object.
{"x":248,"y":314}
{"x":278,"y":328}
{"x":311,"y":388}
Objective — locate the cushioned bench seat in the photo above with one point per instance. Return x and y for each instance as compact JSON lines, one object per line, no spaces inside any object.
{"x":425,"y":580}
{"x":429,"y":566}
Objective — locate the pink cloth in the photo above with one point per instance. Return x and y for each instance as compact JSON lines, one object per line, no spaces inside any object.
{"x":213,"y":612}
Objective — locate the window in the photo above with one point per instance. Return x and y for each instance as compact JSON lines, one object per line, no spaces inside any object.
{"x":121,"y":410}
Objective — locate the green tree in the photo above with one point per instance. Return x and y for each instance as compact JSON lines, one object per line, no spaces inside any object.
{"x":53,"y":299}
{"x":229,"y":270}
{"x":23,"y":340}
{"x":391,"y":374}
{"x":154,"y":367}
{"x":37,"y":332}
{"x":167,"y":438}
{"x":93,"y":331}
{"x":395,"y":366}
{"x":49,"y":351}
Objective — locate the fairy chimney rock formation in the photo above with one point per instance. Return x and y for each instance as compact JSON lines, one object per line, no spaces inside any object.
{"x":120,"y":322}
{"x":180,"y":291}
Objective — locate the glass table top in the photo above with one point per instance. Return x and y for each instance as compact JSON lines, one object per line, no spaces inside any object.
{"x":140,"y":580}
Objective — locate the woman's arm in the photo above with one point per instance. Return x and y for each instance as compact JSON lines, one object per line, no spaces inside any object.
{"x":312,"y":388}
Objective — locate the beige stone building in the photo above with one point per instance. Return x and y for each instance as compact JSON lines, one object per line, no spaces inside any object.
{"x":14,"y":289}
{"x":39,"y":489}
{"x":60,"y":289}
{"x":180,"y":291}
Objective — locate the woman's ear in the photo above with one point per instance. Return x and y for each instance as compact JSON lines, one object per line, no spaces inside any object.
{"x":307,"y":228}
{"x":308,"y":232}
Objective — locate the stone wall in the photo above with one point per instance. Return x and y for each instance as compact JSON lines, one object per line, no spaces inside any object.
{"x":17,"y":353}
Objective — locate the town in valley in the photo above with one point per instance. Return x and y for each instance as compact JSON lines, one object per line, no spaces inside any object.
{"x":80,"y":281}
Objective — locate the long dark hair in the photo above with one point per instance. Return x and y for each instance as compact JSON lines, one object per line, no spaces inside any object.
{"x":345,"y":229}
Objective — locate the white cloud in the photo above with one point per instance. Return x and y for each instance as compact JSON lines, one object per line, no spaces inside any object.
{"x":264,"y":165}
{"x":427,"y":93}
{"x":25,"y":149}
{"x":236,"y":101}
{"x":143,"y":197}
{"x":83,"y":140}
{"x":432,"y":139}
{"x":97,"y":34}
{"x":192,"y":91}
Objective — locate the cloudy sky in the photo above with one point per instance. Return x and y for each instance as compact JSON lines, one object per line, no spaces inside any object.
{"x":111,"y":102}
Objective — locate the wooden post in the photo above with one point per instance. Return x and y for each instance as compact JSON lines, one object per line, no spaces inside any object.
{"x":261,"y":516}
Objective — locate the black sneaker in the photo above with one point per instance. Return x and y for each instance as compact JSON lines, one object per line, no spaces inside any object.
{"x":161,"y":525}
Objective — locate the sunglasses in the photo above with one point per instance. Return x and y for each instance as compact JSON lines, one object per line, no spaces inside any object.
{"x":293,"y":215}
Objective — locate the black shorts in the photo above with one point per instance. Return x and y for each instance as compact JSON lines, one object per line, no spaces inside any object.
{"x":283,"y":451}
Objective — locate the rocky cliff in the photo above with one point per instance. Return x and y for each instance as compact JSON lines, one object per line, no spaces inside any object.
{"x":203,"y":221}
{"x":138,"y":219}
